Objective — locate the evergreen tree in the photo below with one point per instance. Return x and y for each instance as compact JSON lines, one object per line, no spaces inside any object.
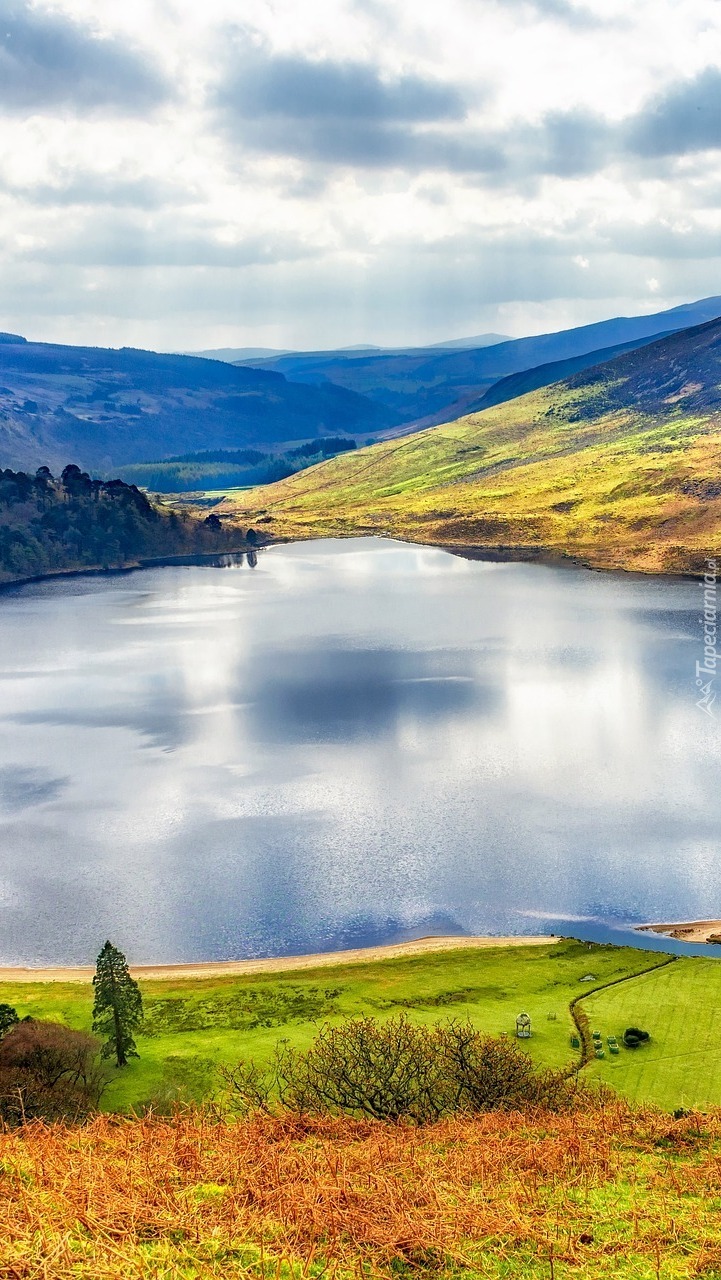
{"x":118,"y":1007}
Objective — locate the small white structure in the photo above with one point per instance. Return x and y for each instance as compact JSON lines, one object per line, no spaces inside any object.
{"x":523,"y":1026}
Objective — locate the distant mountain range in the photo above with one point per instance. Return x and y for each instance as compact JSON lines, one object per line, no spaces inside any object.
{"x":429,"y":386}
{"x":618,"y":465}
{"x":241,"y":355}
{"x":102,"y":408}
{"x":108,"y":408}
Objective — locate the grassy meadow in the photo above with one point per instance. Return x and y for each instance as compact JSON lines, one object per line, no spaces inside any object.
{"x":194,"y":1025}
{"x":681,"y":1065}
{"x":605,"y":1192}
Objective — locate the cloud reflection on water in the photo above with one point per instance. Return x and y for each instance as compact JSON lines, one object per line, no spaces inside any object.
{"x":350,"y":742}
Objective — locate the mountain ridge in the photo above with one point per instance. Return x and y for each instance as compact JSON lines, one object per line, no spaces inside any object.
{"x":244,"y":355}
{"x":427,"y":388}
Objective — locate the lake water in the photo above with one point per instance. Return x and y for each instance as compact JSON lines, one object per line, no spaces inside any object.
{"x":349,"y":743}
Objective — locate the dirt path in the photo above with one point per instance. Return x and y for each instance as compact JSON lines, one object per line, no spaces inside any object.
{"x":280,"y":964}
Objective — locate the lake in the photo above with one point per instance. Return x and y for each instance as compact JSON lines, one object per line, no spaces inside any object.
{"x":352,"y":742}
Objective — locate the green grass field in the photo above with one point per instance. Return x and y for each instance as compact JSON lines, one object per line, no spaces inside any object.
{"x":680,"y":1006}
{"x":194,"y":1025}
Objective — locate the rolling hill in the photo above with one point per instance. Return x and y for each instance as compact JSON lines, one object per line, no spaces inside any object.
{"x":543,"y":375}
{"x":619,"y":465}
{"x":429,"y":386}
{"x":103,"y":407}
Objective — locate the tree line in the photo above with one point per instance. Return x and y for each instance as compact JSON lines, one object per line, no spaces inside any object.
{"x":232,"y":468}
{"x":48,"y":524}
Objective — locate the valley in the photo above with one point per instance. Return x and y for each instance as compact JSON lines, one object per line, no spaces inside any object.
{"x":433,"y":385}
{"x":102,"y":408}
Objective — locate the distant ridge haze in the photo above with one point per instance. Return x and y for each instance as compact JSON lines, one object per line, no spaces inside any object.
{"x":103,"y":407}
{"x":241,"y":355}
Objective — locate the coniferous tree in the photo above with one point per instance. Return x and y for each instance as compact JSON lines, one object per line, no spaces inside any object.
{"x":118,"y":1007}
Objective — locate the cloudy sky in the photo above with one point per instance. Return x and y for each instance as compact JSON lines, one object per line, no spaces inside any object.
{"x":181,"y":175}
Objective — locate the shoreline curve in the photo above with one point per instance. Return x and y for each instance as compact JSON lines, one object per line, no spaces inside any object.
{"x":279,"y":964}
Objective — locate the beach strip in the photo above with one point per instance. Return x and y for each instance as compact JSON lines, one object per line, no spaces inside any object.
{"x":279,"y":964}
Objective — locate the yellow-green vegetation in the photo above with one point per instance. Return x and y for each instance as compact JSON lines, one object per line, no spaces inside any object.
{"x":598,"y":1191}
{"x":619,"y":466}
{"x":193,"y":1026}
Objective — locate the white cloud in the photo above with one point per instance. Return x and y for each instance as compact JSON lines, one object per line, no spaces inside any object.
{"x":345,"y":171}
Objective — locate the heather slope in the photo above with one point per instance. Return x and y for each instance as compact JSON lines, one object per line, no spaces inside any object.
{"x":619,"y":465}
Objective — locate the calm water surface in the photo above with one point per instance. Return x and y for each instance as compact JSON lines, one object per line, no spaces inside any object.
{"x":353,"y":742}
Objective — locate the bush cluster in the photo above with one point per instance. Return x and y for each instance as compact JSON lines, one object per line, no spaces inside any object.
{"x":48,"y":1072}
{"x":634,"y":1036}
{"x":396,"y":1071}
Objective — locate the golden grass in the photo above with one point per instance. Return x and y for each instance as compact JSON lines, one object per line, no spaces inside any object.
{"x":616,"y":489}
{"x":609,"y":1192}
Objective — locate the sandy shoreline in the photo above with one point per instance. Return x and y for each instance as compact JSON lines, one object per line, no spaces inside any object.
{"x":279,"y":964}
{"x":686,"y":930}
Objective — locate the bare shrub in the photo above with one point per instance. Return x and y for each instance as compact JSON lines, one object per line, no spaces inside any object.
{"x":396,"y":1071}
{"x":383,"y":1070}
{"x":250,"y":1087}
{"x":488,"y":1073}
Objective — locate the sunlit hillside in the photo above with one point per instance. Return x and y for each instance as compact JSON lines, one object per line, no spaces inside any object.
{"x":619,"y":465}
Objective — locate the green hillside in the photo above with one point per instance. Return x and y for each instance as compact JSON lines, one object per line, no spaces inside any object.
{"x":619,"y":465}
{"x":195,"y":1025}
